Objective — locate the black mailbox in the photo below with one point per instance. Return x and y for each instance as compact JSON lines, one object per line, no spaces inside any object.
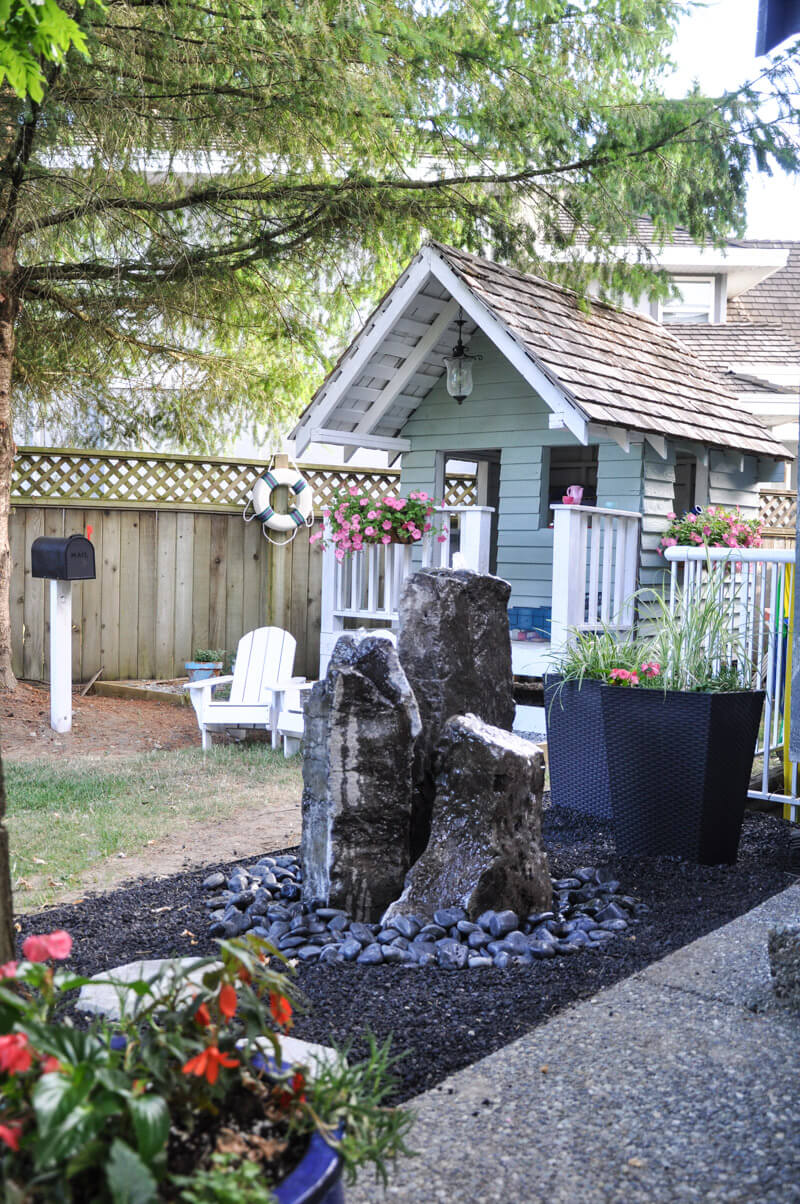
{"x":65,"y":559}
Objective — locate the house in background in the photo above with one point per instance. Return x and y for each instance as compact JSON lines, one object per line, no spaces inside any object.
{"x":739,"y":312}
{"x":606,"y":399}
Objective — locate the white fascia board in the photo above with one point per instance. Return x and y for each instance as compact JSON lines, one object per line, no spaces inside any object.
{"x":554,"y":395}
{"x":320,"y":434}
{"x":357,"y":357}
{"x":783,"y":404}
{"x":744,"y":267}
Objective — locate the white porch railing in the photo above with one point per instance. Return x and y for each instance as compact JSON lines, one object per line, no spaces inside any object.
{"x":754,"y":586}
{"x":364,"y":587}
{"x":595,"y":569}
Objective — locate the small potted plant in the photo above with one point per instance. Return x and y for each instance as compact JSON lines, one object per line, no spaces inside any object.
{"x":207,"y":662}
{"x":183,"y":1101}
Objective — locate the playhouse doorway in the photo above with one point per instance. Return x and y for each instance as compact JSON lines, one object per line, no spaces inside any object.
{"x":485,"y":465}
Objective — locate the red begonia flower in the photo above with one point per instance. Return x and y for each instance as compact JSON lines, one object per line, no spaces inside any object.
{"x":11,"y":1134}
{"x":8,"y":970}
{"x":57,"y":945}
{"x":281,"y":1009}
{"x":227,"y":1000}
{"x":208,"y":1063}
{"x":15,"y":1054}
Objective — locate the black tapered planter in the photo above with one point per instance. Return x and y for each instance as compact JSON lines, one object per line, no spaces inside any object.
{"x":576,"y":749}
{"x":679,"y":768}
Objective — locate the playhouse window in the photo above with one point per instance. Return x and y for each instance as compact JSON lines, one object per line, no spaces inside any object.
{"x":570,"y":466}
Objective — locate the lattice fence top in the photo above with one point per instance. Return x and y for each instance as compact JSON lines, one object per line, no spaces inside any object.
{"x":60,"y":477}
{"x":778,"y":510}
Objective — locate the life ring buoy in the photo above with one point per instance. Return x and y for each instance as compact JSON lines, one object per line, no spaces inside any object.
{"x":261,"y":500}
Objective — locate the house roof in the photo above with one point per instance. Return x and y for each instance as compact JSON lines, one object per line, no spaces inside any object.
{"x":729,"y":343}
{"x":776,"y":300}
{"x":741,"y":382}
{"x":590,"y":362}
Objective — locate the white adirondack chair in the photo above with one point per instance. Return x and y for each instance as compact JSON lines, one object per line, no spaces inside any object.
{"x":264,"y":663}
{"x":291,"y":722}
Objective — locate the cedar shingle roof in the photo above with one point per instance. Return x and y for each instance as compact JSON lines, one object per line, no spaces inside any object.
{"x":617,"y":367}
{"x":776,"y":300}
{"x":740,"y":343}
{"x":740,"y":382}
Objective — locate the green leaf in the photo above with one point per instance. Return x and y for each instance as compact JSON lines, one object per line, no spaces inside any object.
{"x":129,"y":1179}
{"x":151,"y":1124}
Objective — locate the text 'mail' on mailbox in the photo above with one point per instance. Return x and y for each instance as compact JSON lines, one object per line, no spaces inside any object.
{"x":68,"y":558}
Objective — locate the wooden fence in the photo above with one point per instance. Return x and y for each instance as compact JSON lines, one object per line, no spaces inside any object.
{"x":177,"y":568}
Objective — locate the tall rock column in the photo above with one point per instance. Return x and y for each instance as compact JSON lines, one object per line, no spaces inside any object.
{"x":455,"y":649}
{"x":361,"y":723}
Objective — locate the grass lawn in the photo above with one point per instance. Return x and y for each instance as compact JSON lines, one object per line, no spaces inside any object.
{"x":65,"y":817}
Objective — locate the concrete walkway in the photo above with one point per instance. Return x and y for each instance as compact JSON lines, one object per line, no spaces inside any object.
{"x":680,"y":1084}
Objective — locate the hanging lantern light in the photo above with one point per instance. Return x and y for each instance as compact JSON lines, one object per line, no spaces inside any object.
{"x":459,"y":366}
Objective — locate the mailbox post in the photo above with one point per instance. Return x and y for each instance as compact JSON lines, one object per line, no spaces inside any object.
{"x":62,"y":561}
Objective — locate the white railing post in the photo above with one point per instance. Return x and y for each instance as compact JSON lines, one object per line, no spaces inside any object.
{"x":330,"y":625}
{"x":476,"y":534}
{"x":475,"y":538}
{"x":595,"y":569}
{"x":570,"y":527}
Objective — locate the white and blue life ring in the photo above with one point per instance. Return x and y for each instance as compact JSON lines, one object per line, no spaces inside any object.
{"x":300,"y":495}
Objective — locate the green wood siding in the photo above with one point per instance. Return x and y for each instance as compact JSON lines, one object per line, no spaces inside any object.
{"x":733,"y":481}
{"x":504,"y":412}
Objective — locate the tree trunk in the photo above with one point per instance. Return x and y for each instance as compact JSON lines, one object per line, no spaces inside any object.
{"x":6,"y":903}
{"x":8,"y":313}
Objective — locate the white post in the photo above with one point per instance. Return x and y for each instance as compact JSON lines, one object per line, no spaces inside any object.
{"x":476,"y":531}
{"x":61,"y":656}
{"x":329,"y":625}
{"x":569,"y":571}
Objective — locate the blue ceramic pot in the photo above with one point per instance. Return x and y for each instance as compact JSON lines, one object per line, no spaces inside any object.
{"x":317,"y":1179}
{"x":200,"y":670}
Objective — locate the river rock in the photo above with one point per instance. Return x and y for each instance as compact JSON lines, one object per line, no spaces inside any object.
{"x":455,"y":649}
{"x":485,"y":847}
{"x":361,"y":723}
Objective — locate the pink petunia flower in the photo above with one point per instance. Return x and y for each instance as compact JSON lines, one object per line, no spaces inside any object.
{"x":370,"y":530}
{"x":387,"y":524}
{"x":386,"y":539}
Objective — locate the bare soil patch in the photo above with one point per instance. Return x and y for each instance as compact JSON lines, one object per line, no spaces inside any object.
{"x":101,"y":727}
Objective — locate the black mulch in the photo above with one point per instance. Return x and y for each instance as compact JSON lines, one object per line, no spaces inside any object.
{"x":445,"y":1020}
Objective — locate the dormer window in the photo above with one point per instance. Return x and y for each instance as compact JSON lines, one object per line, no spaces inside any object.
{"x":694,"y":306}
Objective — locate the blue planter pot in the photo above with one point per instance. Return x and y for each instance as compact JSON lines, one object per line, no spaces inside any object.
{"x":316,"y":1180}
{"x":200,"y":670}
